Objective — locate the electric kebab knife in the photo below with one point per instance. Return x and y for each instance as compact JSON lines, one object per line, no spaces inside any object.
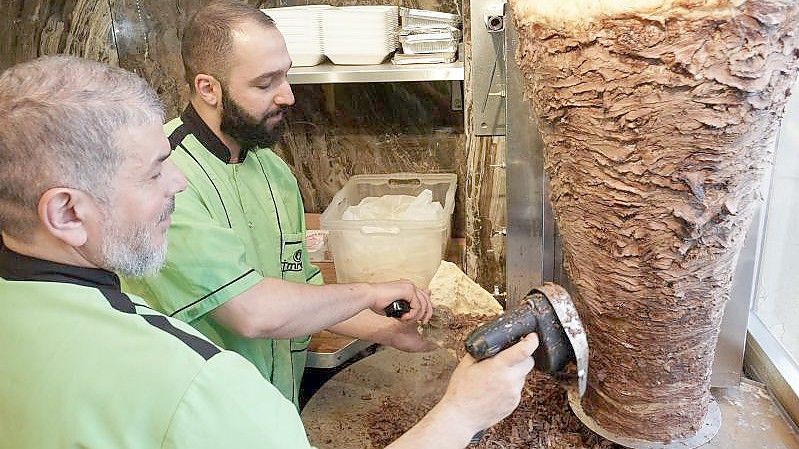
{"x":549,"y":312}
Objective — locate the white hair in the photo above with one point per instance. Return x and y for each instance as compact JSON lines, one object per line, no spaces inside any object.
{"x":60,"y":117}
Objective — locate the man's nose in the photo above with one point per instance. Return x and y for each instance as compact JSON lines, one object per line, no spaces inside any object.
{"x":177,"y":182}
{"x":285,"y":96}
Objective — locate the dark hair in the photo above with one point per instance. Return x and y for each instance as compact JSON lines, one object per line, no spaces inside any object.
{"x":208,"y":37}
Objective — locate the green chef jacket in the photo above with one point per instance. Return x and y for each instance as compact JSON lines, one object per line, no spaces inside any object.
{"x":83,"y":365}
{"x":235,"y":224}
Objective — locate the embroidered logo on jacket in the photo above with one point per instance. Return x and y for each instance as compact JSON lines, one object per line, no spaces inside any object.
{"x":295,"y":264}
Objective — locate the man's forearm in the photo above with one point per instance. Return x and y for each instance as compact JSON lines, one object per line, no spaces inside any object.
{"x":440,"y":428}
{"x":275,"y":308}
{"x":366,"y":325}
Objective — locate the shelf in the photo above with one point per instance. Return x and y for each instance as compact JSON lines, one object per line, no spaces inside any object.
{"x":381,"y":73}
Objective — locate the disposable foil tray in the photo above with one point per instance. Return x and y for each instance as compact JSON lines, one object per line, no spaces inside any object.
{"x":430,"y":58}
{"x":411,"y":17}
{"x":415,"y":44}
{"x":431,"y":29}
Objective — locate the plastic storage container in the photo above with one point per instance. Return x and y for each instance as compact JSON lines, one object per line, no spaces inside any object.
{"x":387,"y":250}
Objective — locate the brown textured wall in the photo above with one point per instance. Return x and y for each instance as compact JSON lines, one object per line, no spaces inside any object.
{"x":30,"y":28}
{"x":339,"y":130}
{"x":336,"y":131}
{"x":484,"y":191}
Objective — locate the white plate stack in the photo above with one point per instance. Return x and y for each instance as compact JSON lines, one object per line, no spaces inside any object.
{"x":301,"y":27}
{"x":354,"y":35}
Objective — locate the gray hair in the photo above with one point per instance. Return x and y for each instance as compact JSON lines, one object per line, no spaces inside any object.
{"x":59,"y":121}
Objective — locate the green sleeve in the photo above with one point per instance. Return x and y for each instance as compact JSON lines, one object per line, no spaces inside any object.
{"x":314,"y":275}
{"x":205,"y":264}
{"x":230,"y":405}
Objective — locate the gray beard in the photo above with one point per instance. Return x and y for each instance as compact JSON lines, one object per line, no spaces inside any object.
{"x":132,"y":253}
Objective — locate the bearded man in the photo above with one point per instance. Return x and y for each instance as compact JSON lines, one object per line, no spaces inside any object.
{"x":87,"y":186}
{"x":237,"y":268}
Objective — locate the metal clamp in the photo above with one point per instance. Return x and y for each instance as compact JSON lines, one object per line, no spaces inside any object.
{"x":494,"y":17}
{"x":489,"y":93}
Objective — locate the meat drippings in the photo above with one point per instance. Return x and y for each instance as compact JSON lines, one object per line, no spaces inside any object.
{"x":543,"y":418}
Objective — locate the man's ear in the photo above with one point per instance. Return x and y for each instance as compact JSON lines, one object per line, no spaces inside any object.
{"x":63,"y":213}
{"x":208,"y":89}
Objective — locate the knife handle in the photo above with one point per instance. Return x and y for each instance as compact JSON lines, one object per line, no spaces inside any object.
{"x":397,"y":308}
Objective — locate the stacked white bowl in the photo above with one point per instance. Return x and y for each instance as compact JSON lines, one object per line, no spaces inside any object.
{"x":354,"y":35}
{"x":301,"y":27}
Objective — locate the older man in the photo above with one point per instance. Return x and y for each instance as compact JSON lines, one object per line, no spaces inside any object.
{"x":237,"y":267}
{"x":86,"y":189}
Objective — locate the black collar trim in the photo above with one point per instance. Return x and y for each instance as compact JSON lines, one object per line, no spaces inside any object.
{"x":195,"y":124}
{"x":18,"y":267}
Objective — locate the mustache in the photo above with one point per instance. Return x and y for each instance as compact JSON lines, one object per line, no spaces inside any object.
{"x":283,"y":110}
{"x":170,"y":207}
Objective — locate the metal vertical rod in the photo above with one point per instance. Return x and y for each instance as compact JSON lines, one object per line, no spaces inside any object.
{"x":530,"y":241}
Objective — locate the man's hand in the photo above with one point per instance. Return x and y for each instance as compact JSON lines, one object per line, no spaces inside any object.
{"x":369,"y":326}
{"x":405,"y":336}
{"x":481,"y":393}
{"x":385,"y":293}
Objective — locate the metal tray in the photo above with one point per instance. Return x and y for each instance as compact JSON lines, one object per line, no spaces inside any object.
{"x":432,"y":58}
{"x":416,"y":44}
{"x":415,"y":17}
{"x":334,"y":359}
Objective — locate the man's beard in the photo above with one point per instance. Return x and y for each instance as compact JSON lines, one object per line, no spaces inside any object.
{"x":130,"y":251}
{"x":249,"y":131}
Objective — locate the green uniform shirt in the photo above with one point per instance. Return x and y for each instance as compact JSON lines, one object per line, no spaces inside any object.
{"x":85,"y":366}
{"x":234,"y":225}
